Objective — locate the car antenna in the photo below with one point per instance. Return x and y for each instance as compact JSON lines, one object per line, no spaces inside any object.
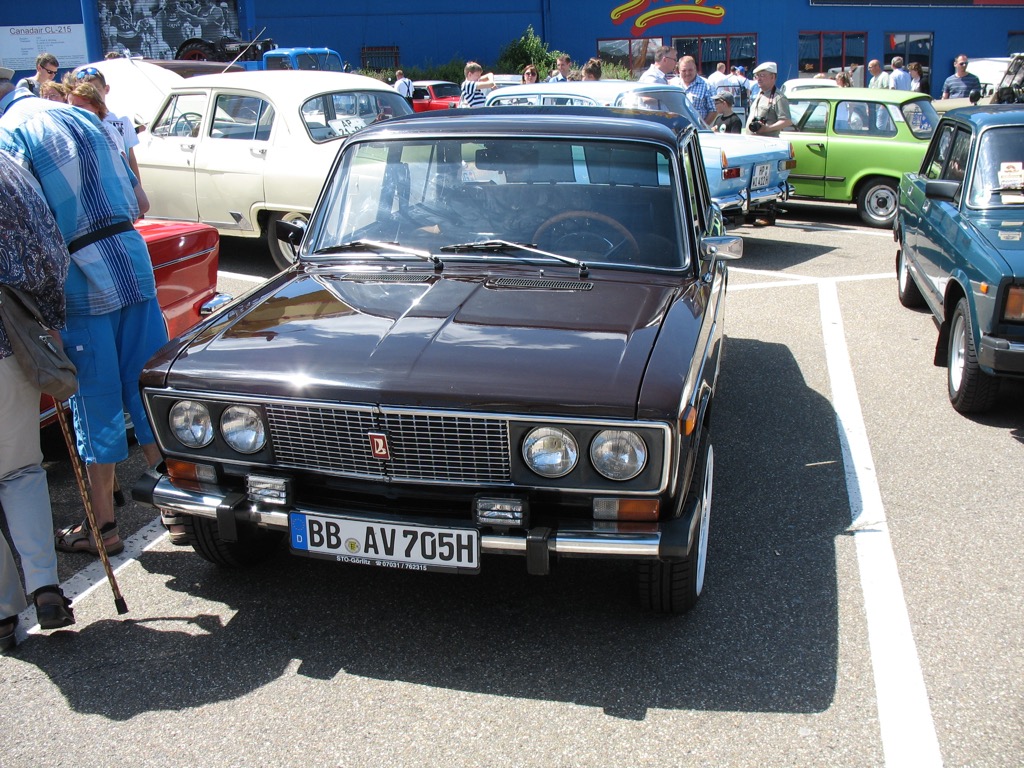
{"x":241,"y":53}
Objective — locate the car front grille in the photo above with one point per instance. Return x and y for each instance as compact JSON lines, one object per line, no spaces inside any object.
{"x":426,"y":447}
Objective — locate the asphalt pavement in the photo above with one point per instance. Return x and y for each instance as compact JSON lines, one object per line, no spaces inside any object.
{"x":862,"y":603}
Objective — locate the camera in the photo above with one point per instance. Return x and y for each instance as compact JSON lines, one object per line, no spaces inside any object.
{"x":756,"y":125}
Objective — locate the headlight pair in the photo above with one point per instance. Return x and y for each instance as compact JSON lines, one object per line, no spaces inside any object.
{"x":240,"y":425}
{"x":617,"y":454}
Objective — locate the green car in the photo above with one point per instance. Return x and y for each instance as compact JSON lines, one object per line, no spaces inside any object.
{"x":854,"y":144}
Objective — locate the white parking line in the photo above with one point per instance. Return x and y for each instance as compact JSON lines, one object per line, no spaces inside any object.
{"x":904,"y":714}
{"x":834,"y":228}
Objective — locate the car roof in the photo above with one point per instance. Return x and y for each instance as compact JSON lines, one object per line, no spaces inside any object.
{"x":988,"y":115}
{"x":285,"y":80}
{"x":603,"y":90}
{"x":881,"y":95}
{"x":513,"y":121}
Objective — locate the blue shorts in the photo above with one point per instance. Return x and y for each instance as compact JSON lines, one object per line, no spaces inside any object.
{"x":109,"y":351}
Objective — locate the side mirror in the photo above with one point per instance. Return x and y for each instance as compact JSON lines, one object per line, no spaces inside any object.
{"x":975,"y":96}
{"x":941,"y":189}
{"x":292,"y":233}
{"x":726,"y":247}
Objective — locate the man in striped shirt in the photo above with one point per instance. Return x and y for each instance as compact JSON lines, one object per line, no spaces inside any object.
{"x":114,"y":323}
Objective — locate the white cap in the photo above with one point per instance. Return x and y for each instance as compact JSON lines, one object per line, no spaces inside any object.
{"x":768,"y":66}
{"x":6,"y":73}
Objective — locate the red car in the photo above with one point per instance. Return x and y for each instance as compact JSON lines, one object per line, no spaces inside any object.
{"x":428,"y":95}
{"x":185,"y":257}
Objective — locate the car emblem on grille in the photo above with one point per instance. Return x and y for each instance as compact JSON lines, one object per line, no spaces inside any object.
{"x":379,"y":446}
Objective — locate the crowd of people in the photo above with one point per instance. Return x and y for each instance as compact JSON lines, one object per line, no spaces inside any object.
{"x":69,"y":197}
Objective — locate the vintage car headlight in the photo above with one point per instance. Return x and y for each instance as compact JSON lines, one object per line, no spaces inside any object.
{"x":550,"y":451}
{"x":618,"y":454}
{"x":243,"y":428}
{"x":191,"y":424}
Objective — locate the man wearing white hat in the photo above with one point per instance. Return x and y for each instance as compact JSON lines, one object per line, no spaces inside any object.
{"x":769,"y":113}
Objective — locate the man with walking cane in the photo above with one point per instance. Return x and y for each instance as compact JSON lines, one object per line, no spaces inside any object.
{"x":33,"y":259}
{"x":114,"y":324}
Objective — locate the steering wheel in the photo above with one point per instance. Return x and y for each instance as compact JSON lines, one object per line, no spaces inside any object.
{"x":587,"y":235}
{"x":186,"y":124}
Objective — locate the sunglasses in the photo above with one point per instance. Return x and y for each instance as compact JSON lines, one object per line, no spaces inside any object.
{"x":50,"y":72}
{"x":88,"y":72}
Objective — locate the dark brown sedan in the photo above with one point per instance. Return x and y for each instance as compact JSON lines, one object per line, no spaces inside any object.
{"x":502,"y":336}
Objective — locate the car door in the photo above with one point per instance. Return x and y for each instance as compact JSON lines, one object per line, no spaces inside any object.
{"x":231,"y":160}
{"x":167,"y":157}
{"x":809,"y":138}
{"x":939,"y":235}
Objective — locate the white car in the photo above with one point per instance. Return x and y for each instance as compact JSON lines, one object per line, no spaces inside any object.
{"x":243,"y":150}
{"x":790,"y":87}
{"x":746,"y":174}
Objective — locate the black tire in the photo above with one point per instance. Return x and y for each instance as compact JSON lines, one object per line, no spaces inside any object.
{"x":906,"y":287}
{"x":676,"y":586}
{"x":877,"y":201}
{"x":197,"y":50}
{"x":280,"y":251}
{"x":254,"y":544}
{"x":971,"y":390}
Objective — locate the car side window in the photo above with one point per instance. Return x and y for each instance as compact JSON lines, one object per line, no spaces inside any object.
{"x":182,"y":117}
{"x":813,"y":116}
{"x":956,"y":168}
{"x":938,"y":153}
{"x":695,"y":216}
{"x":851,"y":118}
{"x":248,"y":118}
{"x":420,"y":93}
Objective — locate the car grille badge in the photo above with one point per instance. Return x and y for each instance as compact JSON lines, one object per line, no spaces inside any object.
{"x":379,"y":446}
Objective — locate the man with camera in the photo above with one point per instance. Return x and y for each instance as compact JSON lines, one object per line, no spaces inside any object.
{"x":769,"y":112}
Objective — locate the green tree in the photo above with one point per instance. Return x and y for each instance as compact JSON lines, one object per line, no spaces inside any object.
{"x":528,"y":49}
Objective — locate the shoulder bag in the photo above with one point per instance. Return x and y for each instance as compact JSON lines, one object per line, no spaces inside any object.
{"x":42,"y":360}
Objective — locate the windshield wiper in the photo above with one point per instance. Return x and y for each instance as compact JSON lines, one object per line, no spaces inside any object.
{"x":377,"y":245}
{"x":494,"y":246}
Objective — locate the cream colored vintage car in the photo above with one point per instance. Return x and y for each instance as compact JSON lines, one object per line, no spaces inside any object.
{"x":241,"y":151}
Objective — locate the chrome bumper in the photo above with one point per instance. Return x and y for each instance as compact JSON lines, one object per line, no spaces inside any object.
{"x":582,"y":540}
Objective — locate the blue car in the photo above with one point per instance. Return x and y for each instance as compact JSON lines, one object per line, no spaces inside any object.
{"x":746,"y":174}
{"x":960,"y":249}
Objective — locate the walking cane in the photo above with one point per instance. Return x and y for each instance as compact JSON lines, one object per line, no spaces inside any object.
{"x":76,"y":463}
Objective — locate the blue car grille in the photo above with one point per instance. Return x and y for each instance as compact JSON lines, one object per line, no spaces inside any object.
{"x":424,"y":447}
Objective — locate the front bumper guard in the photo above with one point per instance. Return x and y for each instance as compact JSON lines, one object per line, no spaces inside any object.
{"x":671,"y":540}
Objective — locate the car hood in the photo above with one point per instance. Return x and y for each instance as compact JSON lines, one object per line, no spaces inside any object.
{"x":472,"y":341}
{"x":137,"y":88}
{"x":1002,"y":231}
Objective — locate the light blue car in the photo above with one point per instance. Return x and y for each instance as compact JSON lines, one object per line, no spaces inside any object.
{"x":747,"y":175}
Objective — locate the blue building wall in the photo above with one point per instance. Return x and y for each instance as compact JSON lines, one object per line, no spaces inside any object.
{"x":436,"y":31}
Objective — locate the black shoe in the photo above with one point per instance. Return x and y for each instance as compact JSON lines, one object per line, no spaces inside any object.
{"x":53,"y":615}
{"x":7,"y":638}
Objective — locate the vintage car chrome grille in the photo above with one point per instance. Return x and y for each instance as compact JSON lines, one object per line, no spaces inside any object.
{"x":424,"y":447}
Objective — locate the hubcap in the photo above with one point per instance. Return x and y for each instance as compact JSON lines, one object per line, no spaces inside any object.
{"x":957,"y":353}
{"x":705,"y":518}
{"x":882,"y":202}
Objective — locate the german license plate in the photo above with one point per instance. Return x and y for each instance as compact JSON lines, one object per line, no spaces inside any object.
{"x":411,"y":547}
{"x":762,"y":173}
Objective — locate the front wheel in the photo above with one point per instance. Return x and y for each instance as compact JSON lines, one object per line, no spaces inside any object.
{"x":254,"y":544}
{"x":877,"y":202}
{"x":676,"y":586}
{"x":281,"y":251}
{"x":971,"y":390}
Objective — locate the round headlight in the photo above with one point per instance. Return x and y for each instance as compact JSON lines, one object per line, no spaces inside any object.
{"x":190,"y":423}
{"x":550,"y":451}
{"x":618,"y":454}
{"x":243,"y":428}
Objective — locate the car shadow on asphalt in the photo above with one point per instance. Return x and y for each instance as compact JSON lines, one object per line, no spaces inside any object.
{"x":764,"y":637}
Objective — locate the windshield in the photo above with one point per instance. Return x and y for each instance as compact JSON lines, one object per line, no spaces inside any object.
{"x":342,"y":113}
{"x":921,"y":117}
{"x":999,"y":169}
{"x":594,"y":201}
{"x":447,"y":91}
